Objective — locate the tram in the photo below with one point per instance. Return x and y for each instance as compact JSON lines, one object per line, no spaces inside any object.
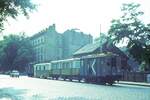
{"x":98,"y":68}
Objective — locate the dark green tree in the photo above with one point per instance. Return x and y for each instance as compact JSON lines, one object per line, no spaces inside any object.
{"x":131,"y":28}
{"x":15,"y":52}
{"x":11,"y":8}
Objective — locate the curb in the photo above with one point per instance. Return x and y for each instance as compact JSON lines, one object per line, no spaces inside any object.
{"x":138,"y":84}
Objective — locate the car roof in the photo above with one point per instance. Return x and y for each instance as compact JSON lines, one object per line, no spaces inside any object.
{"x":14,"y":71}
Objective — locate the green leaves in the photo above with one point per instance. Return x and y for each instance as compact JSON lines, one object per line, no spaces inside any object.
{"x":131,"y":27}
{"x":15,"y":52}
{"x":12,"y":8}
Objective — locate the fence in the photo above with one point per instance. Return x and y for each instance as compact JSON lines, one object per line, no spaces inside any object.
{"x":135,"y":76}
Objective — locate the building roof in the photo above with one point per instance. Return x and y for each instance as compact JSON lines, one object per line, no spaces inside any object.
{"x":89,"y":48}
{"x":44,"y":31}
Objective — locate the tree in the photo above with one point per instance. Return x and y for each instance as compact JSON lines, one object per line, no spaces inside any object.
{"x":11,"y":8}
{"x":15,"y":53}
{"x":130,"y":27}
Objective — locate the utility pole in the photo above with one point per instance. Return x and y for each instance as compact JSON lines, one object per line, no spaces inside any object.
{"x":100,"y":30}
{"x":100,"y":40}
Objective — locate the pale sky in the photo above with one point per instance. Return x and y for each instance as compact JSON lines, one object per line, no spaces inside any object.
{"x":86,"y":15}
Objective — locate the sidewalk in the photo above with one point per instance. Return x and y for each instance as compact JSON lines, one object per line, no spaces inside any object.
{"x":135,"y":83}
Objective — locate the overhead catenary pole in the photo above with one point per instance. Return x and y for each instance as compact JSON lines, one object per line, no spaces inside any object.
{"x":100,"y":40}
{"x":100,"y":30}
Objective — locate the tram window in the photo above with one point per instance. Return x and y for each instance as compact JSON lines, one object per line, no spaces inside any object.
{"x":74,"y":64}
{"x":63,"y":65}
{"x":113,"y":62}
{"x":71,"y":64}
{"x":60,"y":65}
{"x":44,"y":68}
{"x":78,"y":64}
{"x":54,"y":66}
{"x":39,"y":68}
{"x":57,"y":65}
{"x":67,"y":65}
{"x":48,"y":67}
{"x":81,"y":62}
{"x":36,"y":67}
{"x":102,"y":61}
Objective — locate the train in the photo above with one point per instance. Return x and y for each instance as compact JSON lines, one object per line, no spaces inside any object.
{"x":98,"y":68}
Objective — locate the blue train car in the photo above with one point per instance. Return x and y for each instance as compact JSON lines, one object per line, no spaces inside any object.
{"x":99,"y":68}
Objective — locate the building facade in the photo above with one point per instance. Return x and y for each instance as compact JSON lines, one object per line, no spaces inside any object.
{"x":47,"y":45}
{"x":50,"y":45}
{"x":73,"y":40}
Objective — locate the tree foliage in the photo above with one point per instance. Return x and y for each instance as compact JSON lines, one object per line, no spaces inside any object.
{"x":15,"y":52}
{"x":130,"y":26}
{"x":11,"y":8}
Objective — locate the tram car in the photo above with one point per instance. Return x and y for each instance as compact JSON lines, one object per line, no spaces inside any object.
{"x":42,"y":70}
{"x":98,"y":68}
{"x":66,"y":69}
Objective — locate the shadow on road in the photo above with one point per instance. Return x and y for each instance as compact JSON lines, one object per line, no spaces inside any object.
{"x":12,"y":93}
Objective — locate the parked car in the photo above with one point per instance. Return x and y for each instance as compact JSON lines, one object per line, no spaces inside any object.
{"x":7,"y":72}
{"x":14,"y":73}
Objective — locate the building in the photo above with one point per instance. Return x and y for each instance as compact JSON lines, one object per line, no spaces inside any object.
{"x":51,"y":45}
{"x":47,"y":45}
{"x":73,"y":40}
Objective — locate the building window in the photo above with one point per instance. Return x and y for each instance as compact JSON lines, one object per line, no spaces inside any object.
{"x":42,"y":39}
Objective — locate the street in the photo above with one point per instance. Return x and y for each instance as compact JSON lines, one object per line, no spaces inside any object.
{"x":27,"y":88}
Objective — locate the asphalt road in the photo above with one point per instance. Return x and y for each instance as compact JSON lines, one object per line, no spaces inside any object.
{"x":26,"y":88}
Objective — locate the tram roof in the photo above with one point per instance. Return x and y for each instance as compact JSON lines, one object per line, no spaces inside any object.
{"x":42,"y":63}
{"x":65,"y":60}
{"x":100,"y":55}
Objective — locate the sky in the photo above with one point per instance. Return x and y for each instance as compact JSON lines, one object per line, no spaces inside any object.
{"x":90,"y":16}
